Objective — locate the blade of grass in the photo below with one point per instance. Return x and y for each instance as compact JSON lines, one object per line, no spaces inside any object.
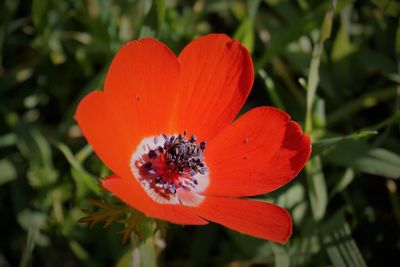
{"x":318,"y":193}
{"x":315,"y":177}
{"x":313,"y":75}
{"x":320,"y":146}
{"x":339,"y":244}
{"x":87,"y":179}
{"x":270,"y":86}
{"x":365,"y":101}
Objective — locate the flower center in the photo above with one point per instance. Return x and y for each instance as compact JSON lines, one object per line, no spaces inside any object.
{"x":171,"y":168}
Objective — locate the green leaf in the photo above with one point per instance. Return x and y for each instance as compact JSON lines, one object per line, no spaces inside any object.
{"x":342,"y":46}
{"x":282,"y":258}
{"x":39,"y":12}
{"x":286,"y":36}
{"x":245,"y":34}
{"x":390,"y":7}
{"x":379,"y":161}
{"x":36,"y":148}
{"x":140,"y":230}
{"x":361,"y":157}
{"x":160,"y":7}
{"x":317,"y":188}
{"x":339,"y":245}
{"x":397,"y":44}
{"x":140,"y":225}
{"x":294,"y":195}
{"x":107,"y":214}
{"x":320,"y":146}
{"x":313,"y":74}
{"x":144,"y":254}
{"x":343,"y":181}
{"x":250,"y":247}
{"x":78,"y":250}
{"x":135,"y":223}
{"x":252,"y":7}
{"x":154,"y":17}
{"x":82,"y":178}
{"x":125,"y":260}
{"x":8,"y":140}
{"x":34,"y":221}
{"x":270,"y":86}
{"x":365,"y":101}
{"x":326,"y":29}
{"x":7,"y":171}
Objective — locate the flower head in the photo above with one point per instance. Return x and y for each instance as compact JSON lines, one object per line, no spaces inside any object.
{"x":164,"y":126}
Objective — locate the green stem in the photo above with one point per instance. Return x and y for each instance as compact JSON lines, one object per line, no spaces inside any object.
{"x":143,"y":252}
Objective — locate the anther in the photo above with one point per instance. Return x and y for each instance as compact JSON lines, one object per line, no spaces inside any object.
{"x":178,"y":160}
{"x":152,"y":154}
{"x":165,"y":186}
{"x":172,"y":189}
{"x":148,"y":165}
{"x":203,"y":145}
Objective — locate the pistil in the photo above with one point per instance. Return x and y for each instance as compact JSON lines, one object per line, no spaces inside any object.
{"x":175,"y":163}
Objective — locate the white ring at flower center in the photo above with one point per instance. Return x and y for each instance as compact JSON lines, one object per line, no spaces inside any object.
{"x":186,"y":198}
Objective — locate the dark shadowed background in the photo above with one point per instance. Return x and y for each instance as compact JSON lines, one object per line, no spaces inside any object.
{"x":335,"y":59}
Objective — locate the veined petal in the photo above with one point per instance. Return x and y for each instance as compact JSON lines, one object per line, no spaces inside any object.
{"x":216,"y":78}
{"x":128,"y":191}
{"x":104,"y":133}
{"x":141,"y":86}
{"x":260,"y":219}
{"x":258,"y":153}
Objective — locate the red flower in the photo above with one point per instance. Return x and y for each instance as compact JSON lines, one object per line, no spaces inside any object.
{"x":164,"y":126}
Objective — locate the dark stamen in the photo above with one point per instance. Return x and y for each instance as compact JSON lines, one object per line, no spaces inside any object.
{"x":148,"y":165}
{"x":152,"y":154}
{"x":183,"y":159}
{"x":203,"y":145}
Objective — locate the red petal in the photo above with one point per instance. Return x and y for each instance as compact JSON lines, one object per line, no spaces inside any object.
{"x":133,"y":195}
{"x":136,"y":102}
{"x":216,"y":78}
{"x":258,"y":153}
{"x":103,"y":132}
{"x":260,"y":219}
{"x":141,"y":85}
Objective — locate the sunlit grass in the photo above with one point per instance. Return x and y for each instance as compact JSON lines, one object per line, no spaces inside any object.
{"x":334,"y":68}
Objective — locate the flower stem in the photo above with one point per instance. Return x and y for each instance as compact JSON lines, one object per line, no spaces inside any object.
{"x":143,"y":252}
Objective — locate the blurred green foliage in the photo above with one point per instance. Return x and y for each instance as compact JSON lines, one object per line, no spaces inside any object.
{"x":333,"y":65}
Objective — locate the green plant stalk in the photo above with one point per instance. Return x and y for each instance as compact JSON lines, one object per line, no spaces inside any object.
{"x":30,"y":245}
{"x":313,"y":75}
{"x":143,"y":252}
{"x":365,"y":101}
{"x":270,"y":86}
{"x":318,"y":192}
{"x":313,"y":80}
{"x":317,"y":188}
